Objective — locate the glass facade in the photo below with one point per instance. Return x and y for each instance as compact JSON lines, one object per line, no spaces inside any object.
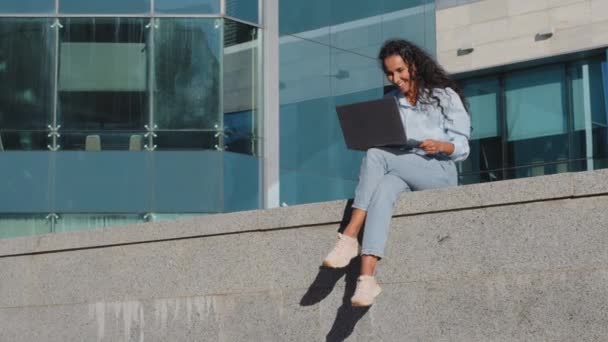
{"x":538,"y":120}
{"x":327,"y":58}
{"x":146,"y":110}
{"x":125,"y":115}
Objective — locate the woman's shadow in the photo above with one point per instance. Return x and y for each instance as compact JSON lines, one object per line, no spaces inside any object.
{"x":347,"y":316}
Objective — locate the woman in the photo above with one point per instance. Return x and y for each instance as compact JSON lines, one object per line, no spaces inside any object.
{"x":433,"y":107}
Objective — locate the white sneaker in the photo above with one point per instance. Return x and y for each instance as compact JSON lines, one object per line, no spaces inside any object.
{"x":367,"y":290}
{"x":343,"y":252}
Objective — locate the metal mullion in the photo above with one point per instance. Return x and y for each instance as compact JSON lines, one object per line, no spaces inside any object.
{"x":568,"y":103}
{"x":54,"y":120}
{"x":222,"y":7}
{"x":260,"y":12}
{"x":221,"y":140}
{"x":151,"y":81}
{"x":502,"y":112}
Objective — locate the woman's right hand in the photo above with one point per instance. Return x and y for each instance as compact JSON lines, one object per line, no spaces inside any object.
{"x":431,"y":146}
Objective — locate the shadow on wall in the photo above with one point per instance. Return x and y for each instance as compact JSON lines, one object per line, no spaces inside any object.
{"x":347,"y":316}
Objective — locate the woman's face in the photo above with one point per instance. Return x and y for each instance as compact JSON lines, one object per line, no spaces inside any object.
{"x":398,"y":73}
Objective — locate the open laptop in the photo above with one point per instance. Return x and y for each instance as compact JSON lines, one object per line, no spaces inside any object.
{"x":375,"y":123}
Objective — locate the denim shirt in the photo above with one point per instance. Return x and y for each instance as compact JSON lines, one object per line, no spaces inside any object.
{"x":425,"y":121}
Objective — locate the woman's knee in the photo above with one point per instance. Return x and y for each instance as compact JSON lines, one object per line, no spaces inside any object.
{"x":374,"y":154}
{"x":390,"y":187}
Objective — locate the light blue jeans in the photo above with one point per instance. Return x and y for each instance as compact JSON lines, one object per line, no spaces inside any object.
{"x":385,"y":174}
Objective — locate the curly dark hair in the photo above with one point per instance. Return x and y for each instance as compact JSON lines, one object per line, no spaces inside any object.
{"x":428,"y":74}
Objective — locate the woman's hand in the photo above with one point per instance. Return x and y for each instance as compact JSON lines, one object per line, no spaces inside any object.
{"x":431,"y":146}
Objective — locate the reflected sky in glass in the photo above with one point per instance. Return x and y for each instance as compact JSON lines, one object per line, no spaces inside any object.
{"x":104,"y":7}
{"x":187,"y":6}
{"x":27,"y":6}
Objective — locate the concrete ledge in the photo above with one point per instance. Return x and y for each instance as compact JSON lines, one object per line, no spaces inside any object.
{"x":567,"y":185}
{"x":522,"y":260}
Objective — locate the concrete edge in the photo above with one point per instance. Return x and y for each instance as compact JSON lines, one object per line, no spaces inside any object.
{"x":565,"y":185}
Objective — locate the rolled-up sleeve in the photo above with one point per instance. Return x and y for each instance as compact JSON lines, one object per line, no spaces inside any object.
{"x":457,"y":126}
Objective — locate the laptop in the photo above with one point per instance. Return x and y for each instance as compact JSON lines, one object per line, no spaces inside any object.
{"x":375,"y":123}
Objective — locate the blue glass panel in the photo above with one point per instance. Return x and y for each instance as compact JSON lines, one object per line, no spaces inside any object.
{"x":305,"y":71}
{"x":75,"y":222}
{"x":536,"y":119}
{"x":187,"y":73}
{"x":187,"y":182}
{"x":415,"y":24}
{"x":187,"y":6}
{"x":310,"y":19}
{"x":400,"y":5}
{"x":104,"y":7}
{"x":482,"y":96}
{"x":343,"y":11}
{"x":535,"y":103}
{"x":25,"y":182}
{"x":243,"y":9}
{"x":27,"y":6}
{"x":102,"y":182}
{"x":25,"y":77}
{"x":23,"y":225}
{"x":241,"y":182}
{"x":103,"y":82}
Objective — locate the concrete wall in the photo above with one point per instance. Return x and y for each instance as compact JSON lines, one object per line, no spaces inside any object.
{"x":503,"y":31}
{"x":521,"y":260}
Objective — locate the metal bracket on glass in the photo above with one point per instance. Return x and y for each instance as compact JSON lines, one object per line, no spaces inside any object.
{"x":54,"y":131}
{"x":57,"y":23}
{"x":148,"y":217}
{"x":150,"y":148}
{"x":152,"y":23}
{"x":52,"y":217}
{"x":150,"y":134}
{"x":150,"y":131}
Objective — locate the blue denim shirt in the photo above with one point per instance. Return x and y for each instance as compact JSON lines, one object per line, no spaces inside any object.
{"x":424,"y":121}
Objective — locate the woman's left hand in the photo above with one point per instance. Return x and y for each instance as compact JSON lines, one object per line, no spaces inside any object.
{"x":431,"y":146}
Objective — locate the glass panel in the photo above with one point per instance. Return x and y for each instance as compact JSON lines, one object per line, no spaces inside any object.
{"x":307,"y":19}
{"x":187,"y":182}
{"x":537,"y":125}
{"x":243,"y":9}
{"x":241,"y":182}
{"x":486,"y":143}
{"x":104,"y":7}
{"x":103,"y":141}
{"x":26,"y":78}
{"x":23,"y":140}
{"x":412,"y":20}
{"x":23,"y":225}
{"x":241,"y":112}
{"x":187,"y":6}
{"x":187,"y":73}
{"x":27,"y":6}
{"x":25,"y":182}
{"x":357,"y":31}
{"x":187,"y":140}
{"x":541,"y":169}
{"x":102,"y":182}
{"x":75,"y":222}
{"x":102,"y":80}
